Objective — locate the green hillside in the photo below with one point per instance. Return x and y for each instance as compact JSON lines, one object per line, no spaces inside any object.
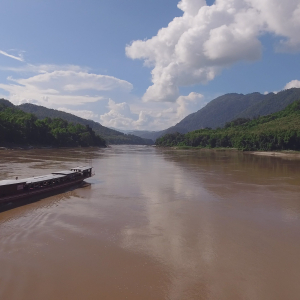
{"x":18,"y":128}
{"x":278,"y":131}
{"x":229,"y":107}
{"x":110,"y":135}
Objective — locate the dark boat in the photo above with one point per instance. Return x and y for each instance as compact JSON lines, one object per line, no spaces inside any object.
{"x":11,"y":190}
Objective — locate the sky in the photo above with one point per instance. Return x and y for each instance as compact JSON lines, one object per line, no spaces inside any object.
{"x":145,"y":65}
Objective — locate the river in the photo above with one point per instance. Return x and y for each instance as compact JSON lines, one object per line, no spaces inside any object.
{"x":154,"y":224}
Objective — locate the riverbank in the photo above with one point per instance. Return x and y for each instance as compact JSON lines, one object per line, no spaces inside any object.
{"x":287,"y":154}
{"x":30,"y":147}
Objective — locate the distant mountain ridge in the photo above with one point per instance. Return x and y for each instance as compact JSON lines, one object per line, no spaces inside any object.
{"x":110,"y":135}
{"x":271,"y":103}
{"x":229,"y":107}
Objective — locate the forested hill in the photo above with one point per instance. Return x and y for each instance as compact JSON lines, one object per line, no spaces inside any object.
{"x":231,"y":106}
{"x":110,"y":135}
{"x":278,"y":131}
{"x":18,"y":128}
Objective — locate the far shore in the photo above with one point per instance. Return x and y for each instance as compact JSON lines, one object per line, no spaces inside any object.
{"x":286,"y":154}
{"x":29,"y":147}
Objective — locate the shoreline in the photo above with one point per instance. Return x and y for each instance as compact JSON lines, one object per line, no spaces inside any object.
{"x":287,"y":154}
{"x":282,"y":154}
{"x":43,"y":147}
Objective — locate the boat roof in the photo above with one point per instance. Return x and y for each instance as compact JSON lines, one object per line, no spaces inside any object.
{"x":31,"y":179}
{"x":12,"y":181}
{"x":64,"y":172}
{"x":53,"y":175}
{"x":82,"y":168}
{"x":43,"y":178}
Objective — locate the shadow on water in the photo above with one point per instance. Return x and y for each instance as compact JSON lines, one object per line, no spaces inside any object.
{"x":12,"y":205}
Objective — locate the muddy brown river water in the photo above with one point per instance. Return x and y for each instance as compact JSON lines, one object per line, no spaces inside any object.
{"x":154,"y":224}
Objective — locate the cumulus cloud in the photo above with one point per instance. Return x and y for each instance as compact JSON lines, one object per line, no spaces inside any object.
{"x":292,"y":84}
{"x":195,"y":48}
{"x":118,"y":116}
{"x":63,"y":87}
{"x":185,"y":102}
{"x":150,"y":116}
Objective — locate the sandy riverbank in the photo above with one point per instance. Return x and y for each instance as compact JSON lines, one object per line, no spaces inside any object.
{"x":281,"y":154}
{"x":285,"y":154}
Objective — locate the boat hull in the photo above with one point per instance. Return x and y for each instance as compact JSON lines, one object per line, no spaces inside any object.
{"x":39,"y":191}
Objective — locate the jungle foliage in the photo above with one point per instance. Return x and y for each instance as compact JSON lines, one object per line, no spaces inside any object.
{"x":20,"y":128}
{"x":278,"y":131}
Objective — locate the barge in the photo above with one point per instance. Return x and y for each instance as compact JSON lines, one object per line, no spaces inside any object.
{"x":19,"y":189}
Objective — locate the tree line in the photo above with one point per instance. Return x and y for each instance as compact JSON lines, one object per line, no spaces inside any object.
{"x":20,"y":128}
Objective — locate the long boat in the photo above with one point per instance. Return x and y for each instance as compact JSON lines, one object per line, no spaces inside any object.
{"x":13,"y":190}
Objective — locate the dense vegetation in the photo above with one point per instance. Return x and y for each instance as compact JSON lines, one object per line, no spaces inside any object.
{"x":278,"y":131}
{"x":110,"y":135}
{"x":229,"y":107}
{"x":20,"y":128}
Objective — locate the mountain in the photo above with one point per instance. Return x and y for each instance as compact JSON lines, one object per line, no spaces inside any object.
{"x":145,"y":134}
{"x":278,"y":131}
{"x":5,"y":103}
{"x":229,"y":107}
{"x":219,"y":111}
{"x":110,"y":135}
{"x":152,"y":135}
{"x":271,"y":103}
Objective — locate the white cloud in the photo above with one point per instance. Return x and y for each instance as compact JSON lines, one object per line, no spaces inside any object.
{"x":292,"y":84}
{"x":60,"y":87}
{"x":191,"y":6}
{"x":196,"y":47}
{"x":119,"y":115}
{"x":151,"y":116}
{"x":184,"y":104}
{"x":43,"y":68}
{"x":19,"y":57}
{"x":280,"y":19}
{"x":74,"y":81}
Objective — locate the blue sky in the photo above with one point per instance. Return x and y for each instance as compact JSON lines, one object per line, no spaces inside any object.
{"x":95,"y":58}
